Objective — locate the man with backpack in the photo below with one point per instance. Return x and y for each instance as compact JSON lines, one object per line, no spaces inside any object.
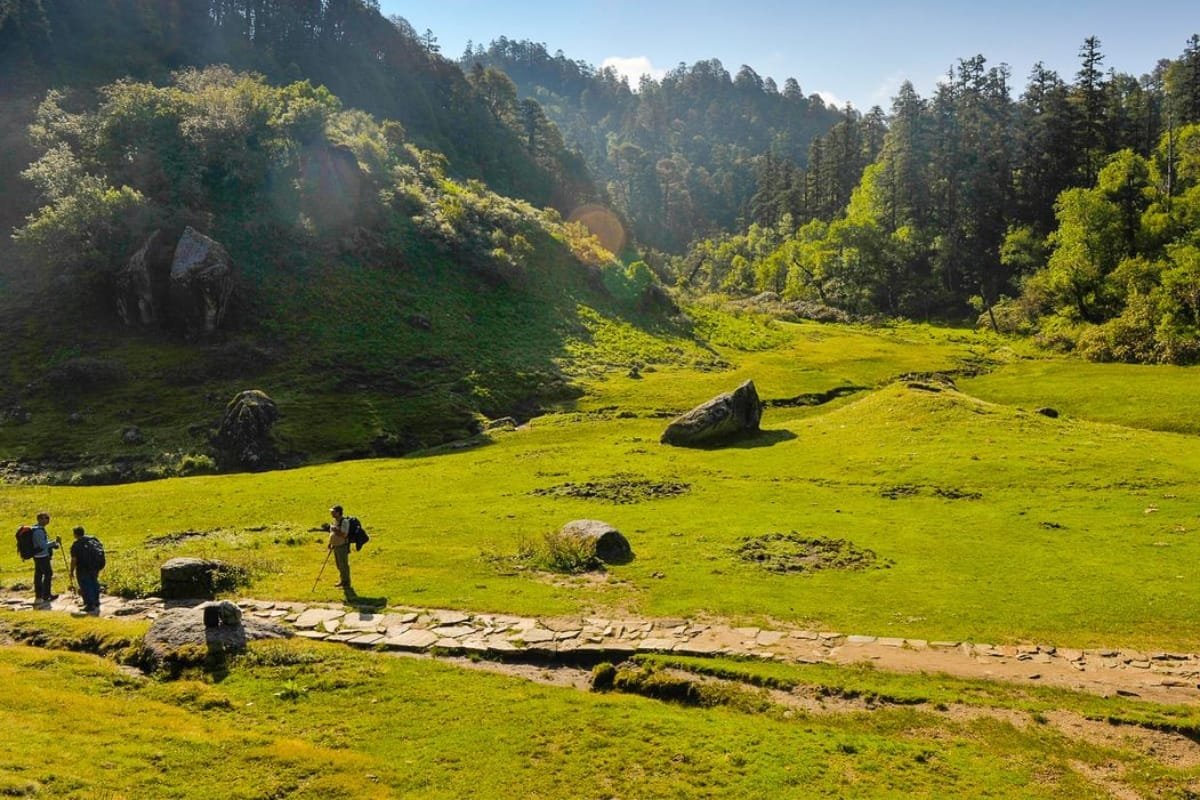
{"x":339,"y":543}
{"x":43,"y":564}
{"x":87,"y":559}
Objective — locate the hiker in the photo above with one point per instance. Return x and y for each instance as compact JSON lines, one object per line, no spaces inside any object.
{"x":339,"y":543}
{"x":87,"y":559}
{"x":43,"y":564}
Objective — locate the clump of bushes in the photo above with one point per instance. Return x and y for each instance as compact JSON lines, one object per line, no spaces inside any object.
{"x":554,"y":552}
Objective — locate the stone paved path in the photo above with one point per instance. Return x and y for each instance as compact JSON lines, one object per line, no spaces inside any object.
{"x":1159,"y":676}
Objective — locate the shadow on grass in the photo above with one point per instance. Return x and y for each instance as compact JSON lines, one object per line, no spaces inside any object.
{"x":365,"y":603}
{"x":761,"y":439}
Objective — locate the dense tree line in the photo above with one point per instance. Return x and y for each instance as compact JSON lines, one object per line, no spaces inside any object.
{"x":370,"y":62}
{"x":679,"y":156}
{"x":285,"y":176}
{"x":973,"y":196}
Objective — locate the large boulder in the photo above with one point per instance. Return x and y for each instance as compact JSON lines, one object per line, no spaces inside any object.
{"x":726,"y":416}
{"x":179,"y":628}
{"x":245,"y":432}
{"x":136,"y":295}
{"x":201,"y":283}
{"x":189,"y":578}
{"x":611,"y":546}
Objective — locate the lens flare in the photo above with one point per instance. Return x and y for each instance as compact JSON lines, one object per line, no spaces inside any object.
{"x":603,"y":224}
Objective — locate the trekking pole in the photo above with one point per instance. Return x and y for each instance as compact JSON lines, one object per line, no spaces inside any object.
{"x":328,"y":553}
{"x":70,"y":577}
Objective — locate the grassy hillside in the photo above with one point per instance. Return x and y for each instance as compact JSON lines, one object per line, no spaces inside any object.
{"x":384,"y":305}
{"x":995,"y":523}
{"x":303,"y":720}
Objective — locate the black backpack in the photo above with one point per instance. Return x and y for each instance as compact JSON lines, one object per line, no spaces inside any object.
{"x":91,"y":554}
{"x":357,"y":536}
{"x":25,"y":542}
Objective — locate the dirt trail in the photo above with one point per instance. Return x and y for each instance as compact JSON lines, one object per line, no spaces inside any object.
{"x":1163,"y":677}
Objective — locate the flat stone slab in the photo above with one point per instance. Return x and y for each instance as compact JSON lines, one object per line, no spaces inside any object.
{"x":411,"y":640}
{"x":533,"y":636}
{"x":366,"y":639}
{"x":657,"y":644}
{"x":315,"y":616}
{"x":315,"y":635}
{"x":860,"y":640}
{"x":449,"y":617}
{"x":768,"y":638}
{"x":361,"y":622}
{"x":453,"y":631}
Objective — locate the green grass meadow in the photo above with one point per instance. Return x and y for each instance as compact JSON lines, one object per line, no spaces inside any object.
{"x":304,"y":720}
{"x":990,"y":523}
{"x":995,"y":523}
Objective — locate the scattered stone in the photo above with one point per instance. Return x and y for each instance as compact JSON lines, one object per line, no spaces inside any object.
{"x":189,"y":578}
{"x":610,"y":545}
{"x":726,"y":416}
{"x":245,"y":432}
{"x":132,"y":434}
{"x":1046,"y":411}
{"x":181,"y":627}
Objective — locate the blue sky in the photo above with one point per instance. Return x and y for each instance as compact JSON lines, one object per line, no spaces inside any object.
{"x":846,"y":51}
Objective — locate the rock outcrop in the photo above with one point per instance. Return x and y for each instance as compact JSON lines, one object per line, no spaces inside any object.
{"x":201,"y":283}
{"x":726,"y":416}
{"x":179,"y":628}
{"x":245,"y":432}
{"x":137,"y":299}
{"x":189,"y":579}
{"x":611,"y":546}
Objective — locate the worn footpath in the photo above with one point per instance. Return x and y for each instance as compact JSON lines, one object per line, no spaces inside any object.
{"x":1169,"y":677}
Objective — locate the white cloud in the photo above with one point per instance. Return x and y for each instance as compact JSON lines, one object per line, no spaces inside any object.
{"x":886,"y":91}
{"x":831,"y":99}
{"x":633,"y":68}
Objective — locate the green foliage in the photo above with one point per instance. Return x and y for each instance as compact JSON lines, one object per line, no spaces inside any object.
{"x":399,"y":721}
{"x":555,"y":552}
{"x":1121,"y":281}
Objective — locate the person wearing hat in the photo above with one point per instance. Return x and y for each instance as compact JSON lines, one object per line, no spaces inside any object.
{"x":339,"y":543}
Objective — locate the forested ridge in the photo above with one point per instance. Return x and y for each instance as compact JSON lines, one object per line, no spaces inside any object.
{"x":678,"y":156}
{"x":369,"y":62}
{"x":1069,"y":212}
{"x":1064,"y":209}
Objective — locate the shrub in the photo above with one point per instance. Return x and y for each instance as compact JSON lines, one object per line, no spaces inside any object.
{"x":570,"y":554}
{"x":603,"y":675}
